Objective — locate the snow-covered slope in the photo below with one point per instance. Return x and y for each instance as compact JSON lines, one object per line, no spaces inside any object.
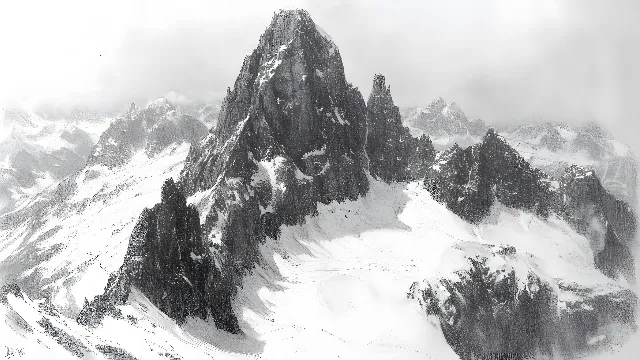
{"x":38,"y":150}
{"x":553,"y":147}
{"x":67,"y":240}
{"x":333,"y":287}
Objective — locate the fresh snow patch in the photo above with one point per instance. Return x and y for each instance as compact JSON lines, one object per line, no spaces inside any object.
{"x":316,"y":152}
{"x":301,"y":176}
{"x":567,"y":134}
{"x":341,"y":121}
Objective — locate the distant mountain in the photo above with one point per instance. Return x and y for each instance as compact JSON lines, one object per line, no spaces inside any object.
{"x":445,"y":123}
{"x":42,"y":148}
{"x":151,"y":129}
{"x":206,"y":113}
{"x":548,"y":146}
{"x":554,"y":147}
{"x":82,"y":224}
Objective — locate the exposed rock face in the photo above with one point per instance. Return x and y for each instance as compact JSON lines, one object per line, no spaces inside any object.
{"x":167,"y":260}
{"x":421,"y":157}
{"x":608,"y":222}
{"x":469,"y":180}
{"x":290,"y":134}
{"x":488,"y":311}
{"x":388,"y":142}
{"x":152,"y":129}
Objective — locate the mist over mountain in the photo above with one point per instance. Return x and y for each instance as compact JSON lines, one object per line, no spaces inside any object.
{"x":299,"y":220}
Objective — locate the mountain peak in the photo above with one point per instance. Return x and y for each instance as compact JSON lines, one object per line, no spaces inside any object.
{"x":161,"y":104}
{"x":380,"y":87}
{"x":437,"y":105}
{"x":378,"y":81}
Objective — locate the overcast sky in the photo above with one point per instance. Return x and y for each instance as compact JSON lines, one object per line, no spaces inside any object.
{"x":501,"y":60}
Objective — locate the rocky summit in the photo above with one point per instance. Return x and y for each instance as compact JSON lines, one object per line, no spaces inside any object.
{"x":388,"y":142}
{"x":290,"y":134}
{"x":469,"y":180}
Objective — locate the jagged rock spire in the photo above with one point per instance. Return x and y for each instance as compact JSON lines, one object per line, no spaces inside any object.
{"x":379,"y":86}
{"x":388,"y":142}
{"x":291,"y":133}
{"x":291,"y":94}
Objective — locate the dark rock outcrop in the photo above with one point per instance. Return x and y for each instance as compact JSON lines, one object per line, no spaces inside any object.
{"x":167,"y":260}
{"x":469,"y":180}
{"x":488,"y":313}
{"x":388,"y":142}
{"x":609,"y":223}
{"x":421,"y":157}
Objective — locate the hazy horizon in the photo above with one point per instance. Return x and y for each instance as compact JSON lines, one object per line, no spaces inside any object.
{"x":501,"y":61}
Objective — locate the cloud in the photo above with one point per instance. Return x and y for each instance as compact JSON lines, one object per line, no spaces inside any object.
{"x":501,"y":60}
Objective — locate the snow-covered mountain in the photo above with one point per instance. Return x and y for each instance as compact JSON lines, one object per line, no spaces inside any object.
{"x":553,"y":147}
{"x":39,"y":149}
{"x":295,"y":227}
{"x":127,"y":166}
{"x":445,"y":123}
{"x":206,"y":113}
{"x":547,"y":146}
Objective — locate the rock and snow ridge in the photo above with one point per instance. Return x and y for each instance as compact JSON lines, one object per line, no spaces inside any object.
{"x":549,"y":147}
{"x":298,"y":250}
{"x":554,"y":147}
{"x":41,"y":149}
{"x":96,"y":204}
{"x":279,"y":110}
{"x":151,"y":129}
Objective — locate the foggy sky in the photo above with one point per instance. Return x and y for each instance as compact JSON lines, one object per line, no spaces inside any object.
{"x":501,"y":60}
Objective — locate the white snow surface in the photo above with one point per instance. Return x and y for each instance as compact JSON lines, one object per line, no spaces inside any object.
{"x":333,"y":287}
{"x":92,"y":237}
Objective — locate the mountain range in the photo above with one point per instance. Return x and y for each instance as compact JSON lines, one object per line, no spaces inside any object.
{"x":309,"y":223}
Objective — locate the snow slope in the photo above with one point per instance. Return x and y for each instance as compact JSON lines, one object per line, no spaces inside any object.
{"x":334,"y":287}
{"x":37,"y":151}
{"x":76,"y":234}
